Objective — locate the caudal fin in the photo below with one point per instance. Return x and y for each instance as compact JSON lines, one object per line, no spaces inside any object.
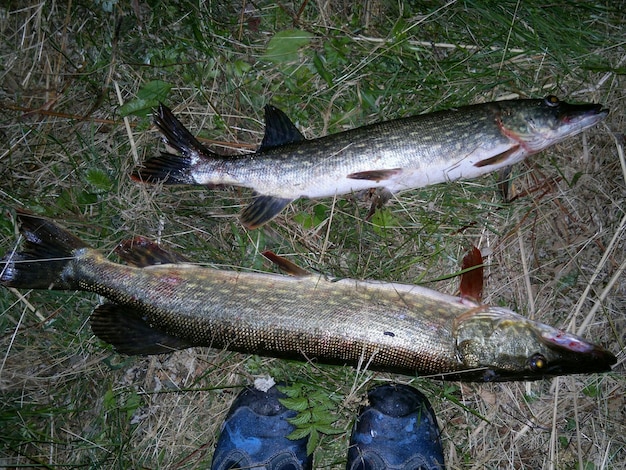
{"x":166,"y":169}
{"x":48,"y":250}
{"x":169,"y":168}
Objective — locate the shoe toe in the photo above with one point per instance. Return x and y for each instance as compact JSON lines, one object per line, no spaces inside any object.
{"x":254,"y":435}
{"x":397,"y":430}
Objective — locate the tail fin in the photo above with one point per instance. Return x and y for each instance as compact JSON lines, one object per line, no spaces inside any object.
{"x":48,"y":251}
{"x":170,"y":168}
{"x":166,"y":169}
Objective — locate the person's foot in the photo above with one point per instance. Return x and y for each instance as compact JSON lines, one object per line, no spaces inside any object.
{"x":397,"y":430}
{"x":254,"y":435}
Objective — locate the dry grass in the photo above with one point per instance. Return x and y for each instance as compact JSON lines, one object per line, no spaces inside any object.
{"x":557,"y":253}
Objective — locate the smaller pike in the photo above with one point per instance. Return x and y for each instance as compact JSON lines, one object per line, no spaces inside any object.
{"x":159,"y":303}
{"x":413,"y":152}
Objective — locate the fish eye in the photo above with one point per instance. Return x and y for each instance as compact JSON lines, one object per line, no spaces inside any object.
{"x":537,"y":362}
{"x":551,"y":101}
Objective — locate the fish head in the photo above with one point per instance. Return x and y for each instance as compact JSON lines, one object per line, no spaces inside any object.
{"x":538,"y":124}
{"x":496,"y":344}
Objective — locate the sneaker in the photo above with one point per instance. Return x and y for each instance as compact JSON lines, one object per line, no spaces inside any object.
{"x":254,"y":434}
{"x":397,"y":430}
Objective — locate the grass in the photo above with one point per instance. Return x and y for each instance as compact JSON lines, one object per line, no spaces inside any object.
{"x":555,"y":253}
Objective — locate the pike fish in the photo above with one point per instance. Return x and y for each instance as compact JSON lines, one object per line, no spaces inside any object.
{"x":158,"y":302}
{"x":413,"y":152}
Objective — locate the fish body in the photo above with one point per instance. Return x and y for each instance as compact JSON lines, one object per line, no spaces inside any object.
{"x":156,"y":308}
{"x":397,"y":155}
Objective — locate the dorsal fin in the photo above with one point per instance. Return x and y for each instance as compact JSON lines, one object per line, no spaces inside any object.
{"x":285,"y":265}
{"x":141,"y":252}
{"x":279,"y":130}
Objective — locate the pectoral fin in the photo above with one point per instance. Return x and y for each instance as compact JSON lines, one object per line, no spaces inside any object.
{"x":375,"y":175}
{"x":262,"y":210}
{"x":500,"y":158}
{"x":129,"y":333}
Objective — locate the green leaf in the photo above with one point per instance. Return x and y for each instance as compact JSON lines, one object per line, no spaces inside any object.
{"x":133,"y":402}
{"x":318,"y":62}
{"x":296,"y":403}
{"x":299,"y":433}
{"x":327,"y":429}
{"x":314,"y":439}
{"x":321,"y":415}
{"x":291,"y":391}
{"x":382,"y":219}
{"x":108,"y":401}
{"x":284,"y":46}
{"x":301,"y":418}
{"x":309,"y":221}
{"x":138,"y":107}
{"x":568,"y":280}
{"x":98,"y":179}
{"x":148,"y":97}
{"x":592,"y":390}
{"x":319,"y":396}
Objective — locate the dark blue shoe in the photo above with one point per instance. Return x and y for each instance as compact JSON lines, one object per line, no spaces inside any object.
{"x":397,"y":430}
{"x":254,"y":435}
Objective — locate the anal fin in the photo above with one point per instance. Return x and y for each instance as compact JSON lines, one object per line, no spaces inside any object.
{"x":375,"y":175}
{"x":126,"y":330}
{"x":262,"y":210}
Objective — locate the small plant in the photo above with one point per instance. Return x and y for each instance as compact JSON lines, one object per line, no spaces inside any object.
{"x":316,"y":409}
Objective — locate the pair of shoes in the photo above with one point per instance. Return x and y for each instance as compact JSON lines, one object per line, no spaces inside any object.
{"x":397,"y":430}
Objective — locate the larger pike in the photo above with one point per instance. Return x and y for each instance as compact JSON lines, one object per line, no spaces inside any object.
{"x":397,"y":155}
{"x":159,"y":303}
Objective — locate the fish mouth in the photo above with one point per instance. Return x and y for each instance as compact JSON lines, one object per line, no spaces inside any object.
{"x":599,"y":360}
{"x":572,"y":355}
{"x":561,"y":360}
{"x":596,"y":361}
{"x":582,"y":115}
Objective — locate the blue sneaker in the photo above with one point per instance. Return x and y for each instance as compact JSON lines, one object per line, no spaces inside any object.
{"x":397,"y":430}
{"x":254,"y":435}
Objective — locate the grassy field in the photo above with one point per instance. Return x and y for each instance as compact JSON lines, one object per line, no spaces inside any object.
{"x":78,"y":80}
